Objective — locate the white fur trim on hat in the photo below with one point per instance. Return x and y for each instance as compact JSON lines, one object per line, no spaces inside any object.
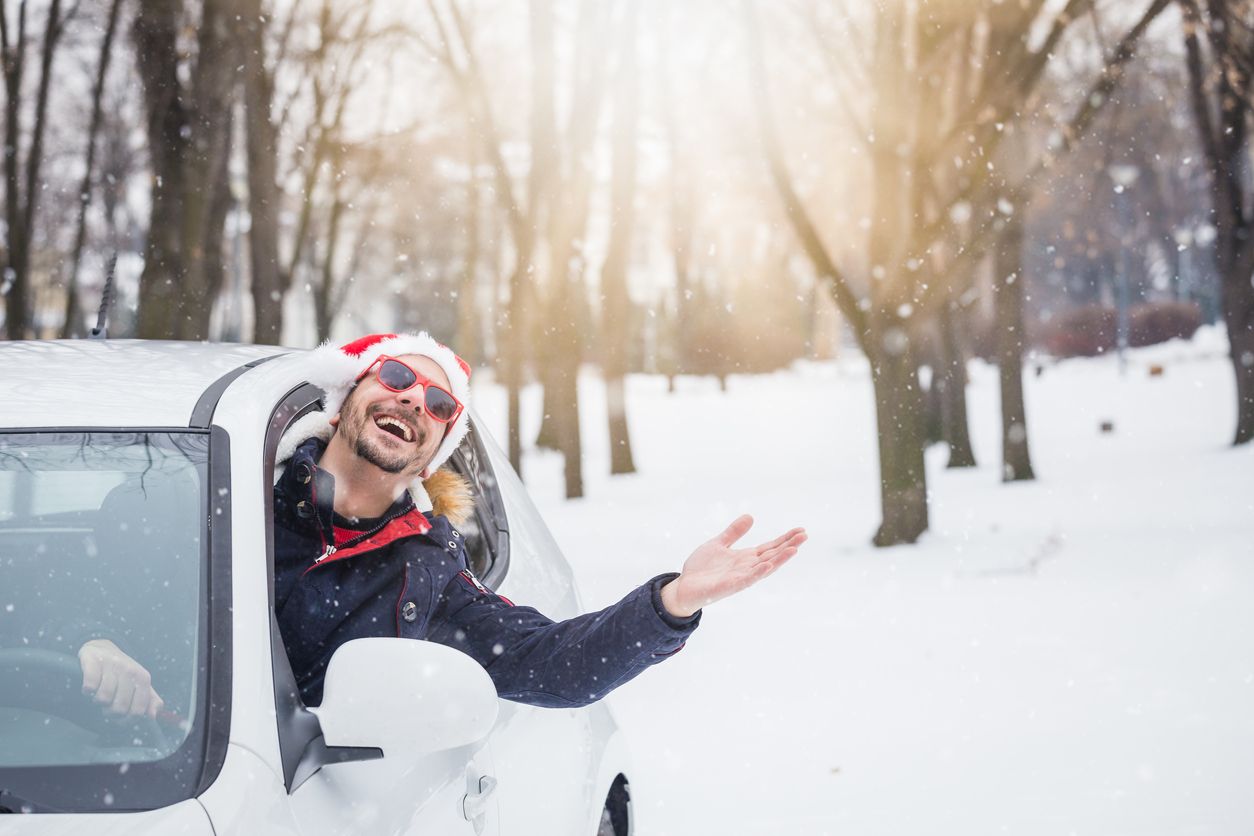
{"x":334,"y":372}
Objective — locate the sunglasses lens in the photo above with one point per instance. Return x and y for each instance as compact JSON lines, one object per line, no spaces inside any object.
{"x":440,"y":404}
{"x":396,"y":375}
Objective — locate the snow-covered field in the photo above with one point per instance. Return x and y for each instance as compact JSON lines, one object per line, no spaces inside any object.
{"x":1073,"y":655}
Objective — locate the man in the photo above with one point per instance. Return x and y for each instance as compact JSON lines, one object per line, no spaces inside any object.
{"x":356,"y":557}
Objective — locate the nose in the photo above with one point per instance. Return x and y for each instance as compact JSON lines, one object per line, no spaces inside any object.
{"x":413,"y":399}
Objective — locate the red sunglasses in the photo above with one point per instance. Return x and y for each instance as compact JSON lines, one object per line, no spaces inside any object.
{"x":398,"y":377}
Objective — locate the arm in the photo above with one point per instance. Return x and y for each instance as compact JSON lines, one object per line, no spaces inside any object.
{"x":535,"y":660}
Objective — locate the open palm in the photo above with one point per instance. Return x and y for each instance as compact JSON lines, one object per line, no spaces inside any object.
{"x":716,"y":569}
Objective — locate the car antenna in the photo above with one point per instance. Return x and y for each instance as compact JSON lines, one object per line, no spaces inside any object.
{"x":101,"y":331}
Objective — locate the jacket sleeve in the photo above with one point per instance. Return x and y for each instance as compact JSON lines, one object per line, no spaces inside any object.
{"x":533,"y":659}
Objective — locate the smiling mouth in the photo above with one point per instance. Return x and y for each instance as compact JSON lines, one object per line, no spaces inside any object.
{"x":394,"y":427}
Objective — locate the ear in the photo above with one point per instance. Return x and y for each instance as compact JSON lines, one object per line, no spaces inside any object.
{"x":425,"y":474}
{"x":335,"y":420}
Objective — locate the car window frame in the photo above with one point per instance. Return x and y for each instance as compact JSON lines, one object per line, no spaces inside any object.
{"x":472,"y":461}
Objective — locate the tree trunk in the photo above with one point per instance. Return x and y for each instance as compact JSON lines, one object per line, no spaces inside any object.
{"x":214,"y":261}
{"x":515,"y":332}
{"x":188,"y":146}
{"x":1239,"y":317}
{"x":890,"y":344}
{"x":566,"y":335}
{"x":261,"y":141}
{"x":681,"y":212}
{"x":550,"y":370}
{"x":156,"y":32}
{"x":323,"y":309}
{"x":21,"y":204}
{"x":1234,"y":257}
{"x":953,"y":389}
{"x":13,"y":285}
{"x":1008,"y":303}
{"x":898,"y":405}
{"x":616,"y":305}
{"x":566,"y":395}
{"x":1223,"y":129}
{"x":469,"y":336}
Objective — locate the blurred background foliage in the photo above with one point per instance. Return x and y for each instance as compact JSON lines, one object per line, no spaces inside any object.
{"x":697,"y":187}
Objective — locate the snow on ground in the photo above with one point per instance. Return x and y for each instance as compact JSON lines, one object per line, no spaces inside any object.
{"x":1073,"y":655}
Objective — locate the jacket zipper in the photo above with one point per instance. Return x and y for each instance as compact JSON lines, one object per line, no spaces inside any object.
{"x":332,"y":548}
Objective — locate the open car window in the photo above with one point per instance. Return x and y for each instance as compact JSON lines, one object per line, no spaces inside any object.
{"x":487,"y":531}
{"x":487,"y":544}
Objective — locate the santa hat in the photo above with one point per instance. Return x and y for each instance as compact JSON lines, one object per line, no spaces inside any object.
{"x":335,"y":369}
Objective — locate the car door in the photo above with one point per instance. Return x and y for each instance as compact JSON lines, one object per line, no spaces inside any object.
{"x":424,"y":796}
{"x":545,"y":757}
{"x":450,"y":792}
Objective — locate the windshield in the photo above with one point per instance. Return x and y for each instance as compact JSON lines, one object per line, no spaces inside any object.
{"x":102,"y":537}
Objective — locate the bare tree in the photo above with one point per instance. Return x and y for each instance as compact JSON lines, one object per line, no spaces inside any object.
{"x":21,"y":199}
{"x":456,"y":51}
{"x":880,"y":325}
{"x":682,"y":206}
{"x":565,"y":323}
{"x":903,"y":239}
{"x":1221,"y":84}
{"x":617,"y":305}
{"x":188,"y":147}
{"x":264,"y":195}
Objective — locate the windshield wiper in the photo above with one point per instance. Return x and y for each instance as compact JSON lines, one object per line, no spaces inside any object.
{"x":11,"y":802}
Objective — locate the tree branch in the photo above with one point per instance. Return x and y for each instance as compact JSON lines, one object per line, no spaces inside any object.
{"x":803,"y":226}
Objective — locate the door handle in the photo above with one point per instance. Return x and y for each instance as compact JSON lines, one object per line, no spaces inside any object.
{"x":475,"y":804}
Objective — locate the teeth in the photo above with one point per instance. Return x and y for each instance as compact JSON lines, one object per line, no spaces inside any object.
{"x":406,"y":432}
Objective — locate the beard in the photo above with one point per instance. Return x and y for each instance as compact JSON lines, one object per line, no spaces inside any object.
{"x":386,"y":460}
{"x":379,"y":455}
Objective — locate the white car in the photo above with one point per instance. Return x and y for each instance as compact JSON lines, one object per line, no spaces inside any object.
{"x":135,"y":502}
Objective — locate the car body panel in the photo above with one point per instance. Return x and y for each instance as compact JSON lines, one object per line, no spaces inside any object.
{"x":244,"y":412}
{"x":187,"y":818}
{"x":553,"y":767}
{"x":535,"y":801}
{"x":112,"y":383}
{"x":389,"y":797}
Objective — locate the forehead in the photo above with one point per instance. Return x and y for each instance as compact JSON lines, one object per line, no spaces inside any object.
{"x":428,"y":368}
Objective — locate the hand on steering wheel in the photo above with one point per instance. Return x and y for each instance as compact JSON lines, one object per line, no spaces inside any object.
{"x":120,"y":684}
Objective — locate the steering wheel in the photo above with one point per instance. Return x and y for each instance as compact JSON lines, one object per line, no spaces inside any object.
{"x":52,"y":683}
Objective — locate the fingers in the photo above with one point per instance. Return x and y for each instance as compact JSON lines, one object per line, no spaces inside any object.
{"x":144,"y":702}
{"x":123,"y":696}
{"x":91,"y":672}
{"x":739,"y":528}
{"x":108,"y":685}
{"x":118,"y":682}
{"x":784,"y":539}
{"x":766,"y":567}
{"x":775,"y":557}
{"x":154,"y":708}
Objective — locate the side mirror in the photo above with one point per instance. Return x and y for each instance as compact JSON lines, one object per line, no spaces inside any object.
{"x":402,"y":695}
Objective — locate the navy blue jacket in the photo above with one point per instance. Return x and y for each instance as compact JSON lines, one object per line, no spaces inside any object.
{"x":408,"y":577}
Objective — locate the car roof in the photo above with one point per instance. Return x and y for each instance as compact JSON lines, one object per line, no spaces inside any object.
{"x":112,"y":383}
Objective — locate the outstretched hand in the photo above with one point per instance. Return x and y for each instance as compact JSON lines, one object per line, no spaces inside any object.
{"x":716,"y":570}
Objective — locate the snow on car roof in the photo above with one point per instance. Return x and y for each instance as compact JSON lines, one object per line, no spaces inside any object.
{"x":112,"y":383}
